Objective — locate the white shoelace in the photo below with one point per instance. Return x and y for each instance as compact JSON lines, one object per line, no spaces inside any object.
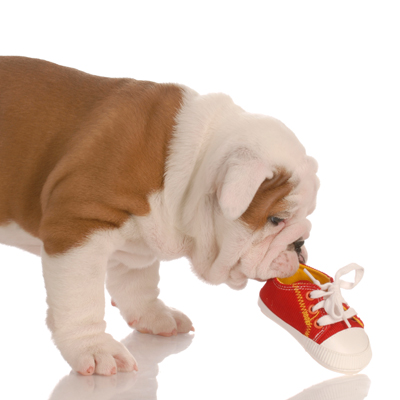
{"x":332,"y":297}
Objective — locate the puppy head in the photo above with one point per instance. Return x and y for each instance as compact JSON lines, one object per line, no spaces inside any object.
{"x":264,"y":187}
{"x":276,"y":217}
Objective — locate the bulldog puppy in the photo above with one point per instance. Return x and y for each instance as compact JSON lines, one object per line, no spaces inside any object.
{"x":107,"y":177}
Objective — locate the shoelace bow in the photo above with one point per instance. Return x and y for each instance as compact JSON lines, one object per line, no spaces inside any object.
{"x":332,"y":297}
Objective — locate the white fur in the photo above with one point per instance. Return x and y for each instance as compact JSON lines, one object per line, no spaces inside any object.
{"x":75,"y":295}
{"x":13,"y":235}
{"x":218,"y":157}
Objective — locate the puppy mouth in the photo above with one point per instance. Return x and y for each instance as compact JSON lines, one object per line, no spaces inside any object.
{"x":296,"y":247}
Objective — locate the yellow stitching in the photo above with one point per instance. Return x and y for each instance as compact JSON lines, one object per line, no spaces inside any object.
{"x":362,"y":325}
{"x":303,"y":310}
{"x":315,"y":316}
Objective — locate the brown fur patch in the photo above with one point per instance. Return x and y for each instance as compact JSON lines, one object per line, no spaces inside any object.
{"x":79,"y":152}
{"x":269,"y":200}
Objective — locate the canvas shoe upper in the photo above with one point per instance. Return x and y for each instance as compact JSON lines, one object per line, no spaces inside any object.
{"x":310,"y":306}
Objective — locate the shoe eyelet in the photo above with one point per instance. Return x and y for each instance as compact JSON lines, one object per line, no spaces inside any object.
{"x":316,"y":325}
{"x":308,"y":296}
{"x":311,"y":311}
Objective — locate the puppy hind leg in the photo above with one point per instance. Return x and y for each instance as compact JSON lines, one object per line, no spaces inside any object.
{"x":135,"y":292}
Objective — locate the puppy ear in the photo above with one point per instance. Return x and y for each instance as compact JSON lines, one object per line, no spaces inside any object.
{"x":242,"y":175}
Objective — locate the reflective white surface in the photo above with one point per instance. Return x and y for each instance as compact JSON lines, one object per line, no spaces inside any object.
{"x":330,"y":72}
{"x":236,"y":352}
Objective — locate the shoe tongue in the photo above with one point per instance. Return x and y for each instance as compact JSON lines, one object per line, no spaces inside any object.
{"x":316,"y":277}
{"x":305,"y":277}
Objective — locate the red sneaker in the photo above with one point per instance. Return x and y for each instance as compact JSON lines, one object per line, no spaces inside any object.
{"x":309,"y":305}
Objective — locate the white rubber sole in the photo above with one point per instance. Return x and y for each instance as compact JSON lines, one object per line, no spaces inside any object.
{"x":343,"y":363}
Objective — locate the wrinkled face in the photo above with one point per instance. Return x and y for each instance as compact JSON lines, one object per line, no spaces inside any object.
{"x":276,"y":221}
{"x":270,"y":214}
{"x":259,"y":186}
{"x":261,"y":227}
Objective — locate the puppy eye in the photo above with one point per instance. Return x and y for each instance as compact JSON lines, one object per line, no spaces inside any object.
{"x":275,"y":220}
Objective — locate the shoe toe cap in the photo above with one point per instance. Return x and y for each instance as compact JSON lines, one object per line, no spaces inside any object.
{"x":348,"y":341}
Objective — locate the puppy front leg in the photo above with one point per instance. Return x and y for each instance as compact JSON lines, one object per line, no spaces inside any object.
{"x":135,"y":293}
{"x":75,"y":295}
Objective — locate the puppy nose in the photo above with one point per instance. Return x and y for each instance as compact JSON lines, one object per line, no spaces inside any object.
{"x":298,"y":243}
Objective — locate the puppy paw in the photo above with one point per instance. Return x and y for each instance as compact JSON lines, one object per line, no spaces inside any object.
{"x":99,"y":354}
{"x":158,"y":319}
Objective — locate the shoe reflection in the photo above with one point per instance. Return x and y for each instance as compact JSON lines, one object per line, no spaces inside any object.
{"x":148,"y":350}
{"x":353,"y":387}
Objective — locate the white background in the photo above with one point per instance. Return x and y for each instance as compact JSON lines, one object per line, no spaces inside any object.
{"x":330,"y":72}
